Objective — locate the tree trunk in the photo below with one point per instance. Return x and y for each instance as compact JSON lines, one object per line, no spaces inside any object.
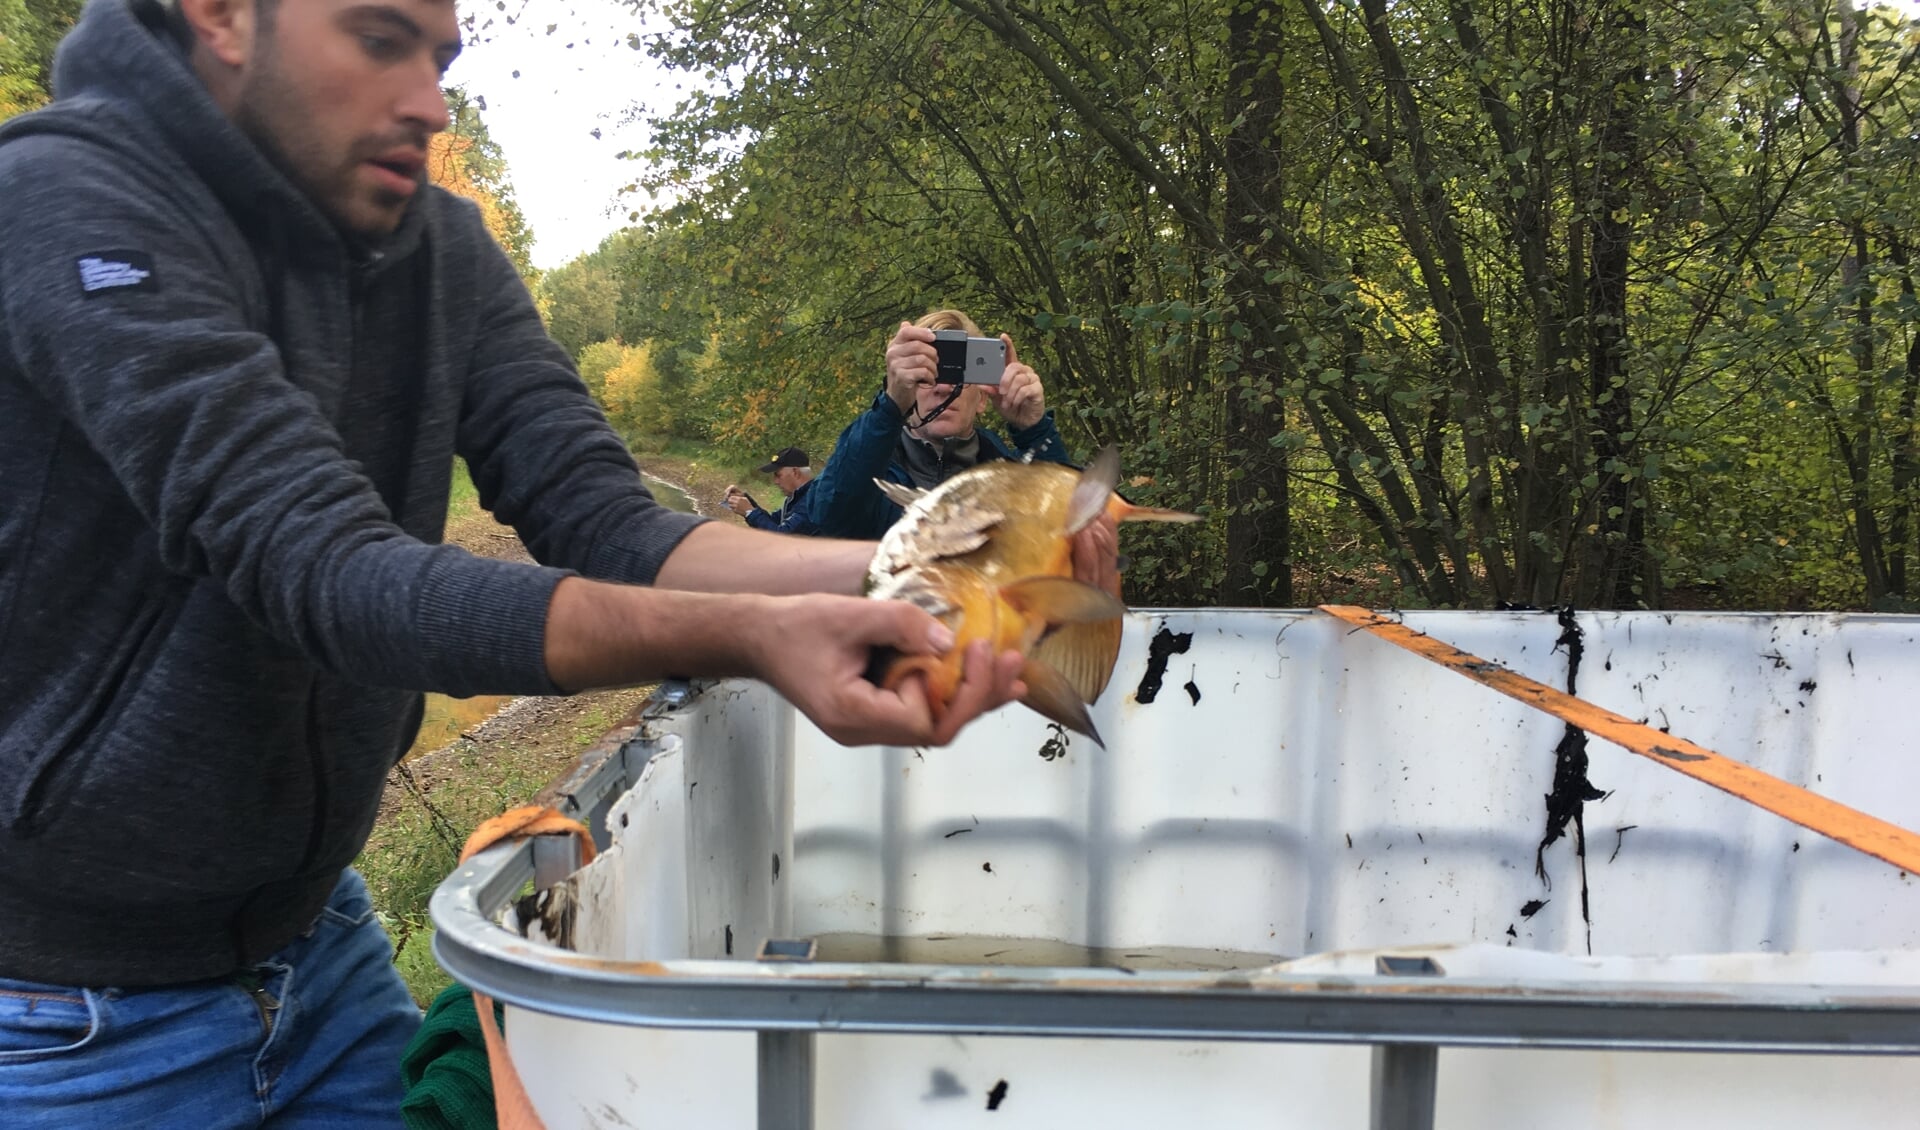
{"x":1259,"y":564}
{"x":1609,"y":574}
{"x":1853,"y":272}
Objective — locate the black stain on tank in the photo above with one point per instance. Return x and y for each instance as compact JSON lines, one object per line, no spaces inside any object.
{"x":1166,"y":644}
{"x":1567,"y":803}
{"x":1619,"y":838}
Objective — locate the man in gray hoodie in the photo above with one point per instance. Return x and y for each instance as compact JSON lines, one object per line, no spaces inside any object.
{"x":241,"y":342}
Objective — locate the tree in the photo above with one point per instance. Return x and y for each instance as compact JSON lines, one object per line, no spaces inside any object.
{"x":464,"y":160}
{"x":28,"y":37}
{"x":1429,"y":298}
{"x":632,"y":393}
{"x":580,"y":300}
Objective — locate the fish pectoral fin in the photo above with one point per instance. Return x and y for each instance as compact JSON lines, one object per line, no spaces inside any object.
{"x":1050,"y":695}
{"x":1060,"y":600}
{"x":1090,"y":494}
{"x":1084,"y":654}
{"x":1086,"y":623}
{"x":901,"y":496}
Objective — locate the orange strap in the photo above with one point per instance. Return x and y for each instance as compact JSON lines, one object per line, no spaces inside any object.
{"x":512,"y":1108}
{"x":527,"y":820}
{"x":1816,"y":813}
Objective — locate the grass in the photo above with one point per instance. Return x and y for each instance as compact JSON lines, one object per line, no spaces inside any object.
{"x":464,"y":501}
{"x":418,"y":843}
{"x":416,"y":847}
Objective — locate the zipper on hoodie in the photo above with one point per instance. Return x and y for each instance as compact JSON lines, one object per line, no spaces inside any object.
{"x":359,"y":272}
{"x":359,"y":269}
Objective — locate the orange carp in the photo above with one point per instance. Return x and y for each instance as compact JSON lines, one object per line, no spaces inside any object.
{"x":989,"y":552}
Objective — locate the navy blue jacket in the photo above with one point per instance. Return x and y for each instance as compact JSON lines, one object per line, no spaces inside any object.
{"x":796,"y":517}
{"x":848,"y":505}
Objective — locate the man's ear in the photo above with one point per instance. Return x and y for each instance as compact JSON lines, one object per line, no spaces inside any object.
{"x":225,"y":28}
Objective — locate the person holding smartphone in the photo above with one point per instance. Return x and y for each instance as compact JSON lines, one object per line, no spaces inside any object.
{"x":921,"y":430}
{"x":793,"y":474}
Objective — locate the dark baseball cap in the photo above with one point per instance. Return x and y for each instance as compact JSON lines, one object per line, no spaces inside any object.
{"x":788,"y":457}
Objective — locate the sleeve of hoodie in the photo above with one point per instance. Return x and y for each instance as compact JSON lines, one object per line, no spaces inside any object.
{"x":543,"y":457}
{"x":239,"y":473}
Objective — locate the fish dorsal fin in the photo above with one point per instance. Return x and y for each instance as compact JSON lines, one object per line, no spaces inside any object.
{"x":1095,"y":487}
{"x":935,"y":541}
{"x":901,"y":496}
{"x":1050,"y":695}
{"x":948,"y":525}
{"x":1060,"y":600}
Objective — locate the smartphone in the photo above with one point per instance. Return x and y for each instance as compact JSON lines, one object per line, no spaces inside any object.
{"x":968,"y":360}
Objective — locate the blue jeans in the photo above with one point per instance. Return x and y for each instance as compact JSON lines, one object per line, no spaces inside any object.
{"x":310,"y":1037}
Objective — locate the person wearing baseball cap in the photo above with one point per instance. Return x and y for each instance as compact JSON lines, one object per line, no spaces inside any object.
{"x":792,"y":473}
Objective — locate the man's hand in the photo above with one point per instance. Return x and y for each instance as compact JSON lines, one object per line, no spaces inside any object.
{"x":1018,"y":396}
{"x":912,"y":365}
{"x":737,"y":501}
{"x":1096,"y":555}
{"x":814,"y":649}
{"x":816,"y":654}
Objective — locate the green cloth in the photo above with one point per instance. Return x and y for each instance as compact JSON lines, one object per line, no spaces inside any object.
{"x":449,"y":1085}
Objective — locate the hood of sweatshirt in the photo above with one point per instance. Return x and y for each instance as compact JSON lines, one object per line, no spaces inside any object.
{"x":125,"y":81}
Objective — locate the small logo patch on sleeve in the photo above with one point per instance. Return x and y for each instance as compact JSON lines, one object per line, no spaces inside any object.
{"x":105,"y":271}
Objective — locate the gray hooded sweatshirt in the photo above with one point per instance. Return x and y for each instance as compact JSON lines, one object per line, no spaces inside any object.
{"x":226,"y":442}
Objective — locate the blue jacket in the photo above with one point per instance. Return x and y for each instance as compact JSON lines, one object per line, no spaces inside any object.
{"x":796,"y":517}
{"x":848,"y":505}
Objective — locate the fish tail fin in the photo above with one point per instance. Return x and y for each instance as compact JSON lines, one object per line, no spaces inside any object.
{"x":1085,"y":623}
{"x":1090,"y":494}
{"x":1084,"y":654}
{"x":1050,"y":695}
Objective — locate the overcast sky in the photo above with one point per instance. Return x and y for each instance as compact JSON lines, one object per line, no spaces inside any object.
{"x":566,"y":179}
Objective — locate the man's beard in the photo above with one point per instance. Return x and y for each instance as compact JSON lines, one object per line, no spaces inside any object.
{"x":272,"y":114}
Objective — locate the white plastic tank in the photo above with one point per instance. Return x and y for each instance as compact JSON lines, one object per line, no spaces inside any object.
{"x":1189,"y":926}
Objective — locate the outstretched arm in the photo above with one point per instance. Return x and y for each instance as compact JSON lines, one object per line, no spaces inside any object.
{"x":814,"y":650}
{"x":721,"y":558}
